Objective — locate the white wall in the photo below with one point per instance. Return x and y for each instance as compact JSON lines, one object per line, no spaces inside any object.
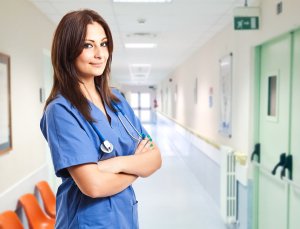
{"x":204,"y":64}
{"x":25,"y":33}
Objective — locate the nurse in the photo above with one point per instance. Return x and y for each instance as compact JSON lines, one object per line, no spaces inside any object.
{"x":96,"y":189}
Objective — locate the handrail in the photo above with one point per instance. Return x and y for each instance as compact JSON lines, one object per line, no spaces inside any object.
{"x":240,"y":157}
{"x":211,"y":142}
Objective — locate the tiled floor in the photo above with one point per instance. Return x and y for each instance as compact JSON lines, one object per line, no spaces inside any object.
{"x":173,"y":197}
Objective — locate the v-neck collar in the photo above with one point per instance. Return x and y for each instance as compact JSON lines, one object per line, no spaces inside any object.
{"x":109,"y":113}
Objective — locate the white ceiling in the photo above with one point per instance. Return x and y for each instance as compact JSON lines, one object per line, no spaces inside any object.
{"x":178,"y":28}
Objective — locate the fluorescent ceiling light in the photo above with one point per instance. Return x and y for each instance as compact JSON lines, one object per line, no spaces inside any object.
{"x":140,"y":45}
{"x":144,"y":1}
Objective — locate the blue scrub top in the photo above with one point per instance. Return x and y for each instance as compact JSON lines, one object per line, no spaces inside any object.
{"x":73,"y":141}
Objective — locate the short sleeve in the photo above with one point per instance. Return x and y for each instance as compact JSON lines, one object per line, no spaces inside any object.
{"x":68,"y":140}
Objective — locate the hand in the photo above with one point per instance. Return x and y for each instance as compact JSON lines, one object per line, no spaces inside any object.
{"x":144,"y":146}
{"x":110,"y":165}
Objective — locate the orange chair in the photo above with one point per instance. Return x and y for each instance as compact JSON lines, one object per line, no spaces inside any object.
{"x":48,"y":198}
{"x":36,"y":218}
{"x":10,"y":220}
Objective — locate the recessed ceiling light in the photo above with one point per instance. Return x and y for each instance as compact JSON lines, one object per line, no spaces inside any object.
{"x":140,"y":45}
{"x":143,"y":1}
{"x":141,"y":35}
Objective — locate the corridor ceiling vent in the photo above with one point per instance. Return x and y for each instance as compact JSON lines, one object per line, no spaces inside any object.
{"x":141,"y":20}
{"x":139,"y":72}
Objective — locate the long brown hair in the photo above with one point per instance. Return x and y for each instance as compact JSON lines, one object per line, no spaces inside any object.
{"x":67,"y":45}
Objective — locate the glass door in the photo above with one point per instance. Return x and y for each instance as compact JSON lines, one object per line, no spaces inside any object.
{"x":141,"y":105}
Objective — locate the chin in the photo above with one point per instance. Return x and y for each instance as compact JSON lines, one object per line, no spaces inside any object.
{"x":98,"y":73}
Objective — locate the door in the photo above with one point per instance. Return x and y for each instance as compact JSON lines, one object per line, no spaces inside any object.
{"x":141,"y":105}
{"x":273,"y":132}
{"x":277,"y":194}
{"x":294,"y":207}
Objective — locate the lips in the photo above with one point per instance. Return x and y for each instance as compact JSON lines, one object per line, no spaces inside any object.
{"x":97,"y":64}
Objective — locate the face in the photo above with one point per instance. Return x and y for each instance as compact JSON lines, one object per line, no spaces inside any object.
{"x":92,"y":60}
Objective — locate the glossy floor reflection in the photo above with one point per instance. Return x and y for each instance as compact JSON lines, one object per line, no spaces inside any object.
{"x":173,"y":197}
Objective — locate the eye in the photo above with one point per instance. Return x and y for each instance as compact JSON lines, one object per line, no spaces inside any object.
{"x":104,"y":44}
{"x":87,"y":45}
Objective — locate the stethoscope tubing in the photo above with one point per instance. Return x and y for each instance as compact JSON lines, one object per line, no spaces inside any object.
{"x":98,"y":132}
{"x":137,"y":139}
{"x":105,"y":145}
{"x":130,"y":123}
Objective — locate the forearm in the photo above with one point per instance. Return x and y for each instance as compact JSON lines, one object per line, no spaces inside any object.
{"x":145,"y":161}
{"x":114,"y":183}
{"x":95,"y":183}
{"x":143,"y":164}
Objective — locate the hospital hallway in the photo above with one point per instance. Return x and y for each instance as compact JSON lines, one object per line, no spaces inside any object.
{"x":173,"y":197}
{"x":214,"y":82}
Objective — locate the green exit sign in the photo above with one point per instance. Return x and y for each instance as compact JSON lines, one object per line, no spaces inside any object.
{"x":245,"y":23}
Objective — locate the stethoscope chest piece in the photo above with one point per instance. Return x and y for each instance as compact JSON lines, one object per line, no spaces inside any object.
{"x":106,"y":147}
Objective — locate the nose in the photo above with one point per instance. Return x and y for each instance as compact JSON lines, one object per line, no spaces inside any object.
{"x":99,"y":52}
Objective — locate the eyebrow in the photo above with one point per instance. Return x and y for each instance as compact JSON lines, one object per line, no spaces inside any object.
{"x":105,"y":38}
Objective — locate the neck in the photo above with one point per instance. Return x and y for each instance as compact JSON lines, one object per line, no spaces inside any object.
{"x":88,"y":89}
{"x":89,"y":84}
{"x":87,"y":93}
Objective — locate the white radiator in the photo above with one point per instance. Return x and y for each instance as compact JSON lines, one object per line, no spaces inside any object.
{"x":228,"y":188}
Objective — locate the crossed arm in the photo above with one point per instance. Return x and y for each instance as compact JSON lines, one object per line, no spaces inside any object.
{"x":114,"y":175}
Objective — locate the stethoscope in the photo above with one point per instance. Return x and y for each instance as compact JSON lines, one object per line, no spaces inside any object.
{"x":105,"y":145}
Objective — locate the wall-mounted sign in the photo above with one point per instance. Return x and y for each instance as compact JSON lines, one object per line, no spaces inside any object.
{"x":246,"y":23}
{"x":246,"y":18}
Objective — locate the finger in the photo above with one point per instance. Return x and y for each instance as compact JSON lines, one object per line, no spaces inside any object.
{"x":148,"y":147}
{"x":151,"y":145}
{"x":141,"y":145}
{"x":149,"y":137}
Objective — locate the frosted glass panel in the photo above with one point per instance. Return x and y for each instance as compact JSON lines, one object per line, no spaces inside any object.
{"x":141,"y":105}
{"x":145,"y":100}
{"x":134,"y":100}
{"x":136,"y":112}
{"x":145,"y":115}
{"x":272,"y":84}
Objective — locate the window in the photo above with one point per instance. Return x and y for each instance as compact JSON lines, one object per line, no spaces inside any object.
{"x":272,"y":92}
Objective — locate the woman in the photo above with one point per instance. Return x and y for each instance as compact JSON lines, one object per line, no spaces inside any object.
{"x":94,"y":137}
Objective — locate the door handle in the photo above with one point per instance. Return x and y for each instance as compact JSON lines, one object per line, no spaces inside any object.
{"x":282,"y":160}
{"x":256,"y":152}
{"x":289,"y":166}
